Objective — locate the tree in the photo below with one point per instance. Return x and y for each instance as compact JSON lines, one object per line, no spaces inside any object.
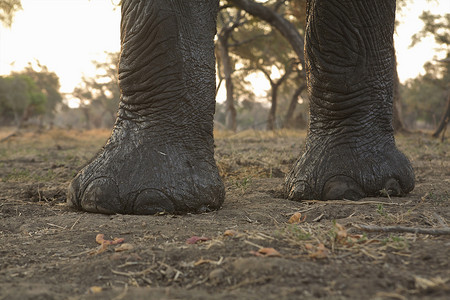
{"x":272,"y":50}
{"x":286,"y":28}
{"x":101,"y":91}
{"x":21,"y":98}
{"x":7,"y":10}
{"x":228,"y":22}
{"x":48,"y":83}
{"x":433,"y":88}
{"x":289,"y":117}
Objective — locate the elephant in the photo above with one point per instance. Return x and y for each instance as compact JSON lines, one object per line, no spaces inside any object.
{"x":160,"y":155}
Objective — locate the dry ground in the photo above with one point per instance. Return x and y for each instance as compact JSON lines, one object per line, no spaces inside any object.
{"x":48,"y":251}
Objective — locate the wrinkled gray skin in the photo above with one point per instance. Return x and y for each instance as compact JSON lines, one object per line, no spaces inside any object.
{"x":160,"y":154}
{"x":350,"y":148}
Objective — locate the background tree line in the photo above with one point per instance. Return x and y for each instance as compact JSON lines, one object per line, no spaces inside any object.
{"x":29,"y":94}
{"x":254,"y":40}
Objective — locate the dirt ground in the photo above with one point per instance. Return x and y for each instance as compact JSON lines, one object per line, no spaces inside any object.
{"x":253,"y":248}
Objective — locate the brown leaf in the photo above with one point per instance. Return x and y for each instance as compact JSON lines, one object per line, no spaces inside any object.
{"x":296,"y":218}
{"x":124,"y":247}
{"x":102,"y":248}
{"x":341,"y":234}
{"x":95,"y":289}
{"x":117,"y":241}
{"x":309,"y":246}
{"x":322,"y":252}
{"x":100,"y":239}
{"x":230,"y":232}
{"x":196,"y":239}
{"x":267,"y":252}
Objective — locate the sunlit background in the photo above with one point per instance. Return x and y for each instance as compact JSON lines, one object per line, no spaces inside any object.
{"x":66,"y":36}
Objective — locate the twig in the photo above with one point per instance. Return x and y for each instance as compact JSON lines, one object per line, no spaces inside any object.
{"x":390,"y":295}
{"x":75,"y":223}
{"x":135,"y":274}
{"x":318,"y":218}
{"x":57,"y":226}
{"x":432,"y":231}
{"x":440,"y":220}
{"x":351,"y":202}
{"x":123,"y":293}
{"x":253,"y":244}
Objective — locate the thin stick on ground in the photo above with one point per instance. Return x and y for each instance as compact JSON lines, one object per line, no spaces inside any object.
{"x":351,"y":202}
{"x":400,"y":229}
{"x":75,"y":223}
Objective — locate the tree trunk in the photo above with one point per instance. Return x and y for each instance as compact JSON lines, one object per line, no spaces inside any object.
{"x":230,"y":110}
{"x":292,"y":105}
{"x":87,"y":117}
{"x":445,"y":119}
{"x":273,"y":107}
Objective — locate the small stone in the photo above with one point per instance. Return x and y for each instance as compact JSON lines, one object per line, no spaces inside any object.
{"x":216,"y":275}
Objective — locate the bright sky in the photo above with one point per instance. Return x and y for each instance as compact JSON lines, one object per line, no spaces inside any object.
{"x":68,"y":35}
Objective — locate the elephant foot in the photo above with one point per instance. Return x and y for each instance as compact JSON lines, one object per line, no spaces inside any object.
{"x":140,"y":172}
{"x":329,"y":171}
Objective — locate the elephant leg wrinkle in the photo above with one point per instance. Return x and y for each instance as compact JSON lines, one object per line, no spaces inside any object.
{"x":350,"y":148}
{"x":160,"y":156}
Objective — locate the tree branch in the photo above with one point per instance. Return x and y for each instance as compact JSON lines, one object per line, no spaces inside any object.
{"x":238,"y":44}
{"x":286,"y":28}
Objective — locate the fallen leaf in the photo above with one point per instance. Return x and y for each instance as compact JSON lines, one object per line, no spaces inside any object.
{"x":321,"y":252}
{"x":230,"y":232}
{"x":124,"y":247}
{"x":95,"y":289}
{"x":296,"y":218}
{"x":341,"y":234}
{"x":267,"y":252}
{"x":100,"y":239}
{"x":100,"y":249}
{"x":196,"y":239}
{"x":309,"y":246}
{"x":117,"y":241}
{"x":428,"y":284}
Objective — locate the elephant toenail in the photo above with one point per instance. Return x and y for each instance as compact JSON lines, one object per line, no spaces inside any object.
{"x":342,"y":187}
{"x":101,"y":195}
{"x":299,"y":190}
{"x":72,"y":199}
{"x":152,"y":201}
{"x":392,"y":187}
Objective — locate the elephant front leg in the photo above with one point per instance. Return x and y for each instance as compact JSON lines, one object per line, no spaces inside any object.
{"x":160,"y":156}
{"x":350,"y":149}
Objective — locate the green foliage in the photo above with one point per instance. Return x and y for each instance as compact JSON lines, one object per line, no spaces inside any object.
{"x":425,"y":96}
{"x":27,"y":94}
{"x":7,"y":10}
{"x":297,"y":233}
{"x":381,"y":211}
{"x":48,"y":83}
{"x":243,"y":184}
{"x":21,"y":98}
